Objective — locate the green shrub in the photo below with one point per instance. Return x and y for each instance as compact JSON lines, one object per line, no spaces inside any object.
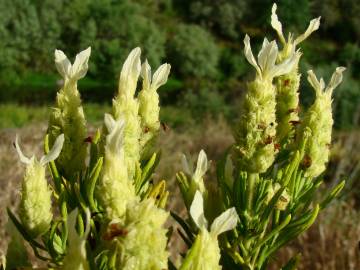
{"x":194,"y":52}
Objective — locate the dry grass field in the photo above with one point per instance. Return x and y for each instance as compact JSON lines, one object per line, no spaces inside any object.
{"x":332,"y":243}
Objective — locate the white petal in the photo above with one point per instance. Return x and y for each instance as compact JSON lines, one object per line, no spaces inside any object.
{"x":314,"y":82}
{"x":225,"y":222}
{"x":160,"y":76}
{"x":146,"y":74}
{"x":22,"y":157}
{"x":201,"y":166}
{"x":286,"y":66}
{"x":336,"y":78}
{"x":197,"y":211}
{"x":313,"y":26}
{"x":271,"y":52}
{"x":130,"y":73}
{"x":185,"y":164}
{"x":55,"y":150}
{"x":109,"y":122}
{"x":249,"y":55}
{"x":62,"y":63}
{"x":276,"y":24}
{"x":263,"y":54}
{"x":80,"y":66}
{"x":115,"y":139}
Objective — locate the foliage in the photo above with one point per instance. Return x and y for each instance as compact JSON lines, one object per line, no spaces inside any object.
{"x":111,"y":214}
{"x":195,"y":52}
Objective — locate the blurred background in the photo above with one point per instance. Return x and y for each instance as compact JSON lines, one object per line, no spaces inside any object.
{"x":203,"y":41}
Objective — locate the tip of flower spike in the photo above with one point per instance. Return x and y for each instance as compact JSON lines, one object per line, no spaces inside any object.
{"x":276,"y":24}
{"x":130,"y":72}
{"x":74,"y":71}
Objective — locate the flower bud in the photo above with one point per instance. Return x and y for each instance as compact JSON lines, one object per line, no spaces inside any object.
{"x":144,"y":241}
{"x":126,"y":107}
{"x":287,"y":85}
{"x":318,"y":121}
{"x":115,"y":189}
{"x":195,"y":179}
{"x":255,"y":133}
{"x":68,"y":116}
{"x":35,"y":205}
{"x":205,"y":252}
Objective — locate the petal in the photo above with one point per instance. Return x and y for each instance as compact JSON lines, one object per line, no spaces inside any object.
{"x":55,"y":150}
{"x":130,"y":73}
{"x":197,"y":211}
{"x":225,"y":222}
{"x":146,"y":74}
{"x":201,"y":166}
{"x":62,"y":63}
{"x":271,"y":53}
{"x":263,"y":54}
{"x":314,"y":82}
{"x":313,"y":26}
{"x":286,"y":66}
{"x":185,"y":164}
{"x":336,"y":78}
{"x":80,"y":66}
{"x":115,"y":139}
{"x":109,"y":122}
{"x":160,"y":76}
{"x":249,"y":55}
{"x":276,"y":24}
{"x":22,"y":157}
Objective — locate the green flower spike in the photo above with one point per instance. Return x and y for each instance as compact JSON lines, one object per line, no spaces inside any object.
{"x":194,"y":180}
{"x":35,"y":206}
{"x":68,"y":116}
{"x":126,"y":106}
{"x":149,"y":104}
{"x":145,"y":242}
{"x":256,"y":131}
{"x":115,"y":189}
{"x":318,"y":121}
{"x":75,"y":258}
{"x":205,"y":252}
{"x":287,"y":85}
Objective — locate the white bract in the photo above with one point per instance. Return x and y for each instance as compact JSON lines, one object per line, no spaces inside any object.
{"x":266,"y":66}
{"x":276,"y":24}
{"x":51,"y":156}
{"x":74,"y":71}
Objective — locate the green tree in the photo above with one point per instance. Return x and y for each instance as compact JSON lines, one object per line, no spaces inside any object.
{"x":194,"y":51}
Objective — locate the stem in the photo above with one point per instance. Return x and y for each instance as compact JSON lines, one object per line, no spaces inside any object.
{"x":250,"y":191}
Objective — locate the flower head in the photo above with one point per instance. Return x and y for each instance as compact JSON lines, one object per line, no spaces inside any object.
{"x":68,"y":116}
{"x":318,"y":122}
{"x":126,"y":106}
{"x":35,"y":205}
{"x":115,"y":188}
{"x":149,"y":103}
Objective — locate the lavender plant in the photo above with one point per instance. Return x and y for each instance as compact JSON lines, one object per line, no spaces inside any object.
{"x":103,"y":211}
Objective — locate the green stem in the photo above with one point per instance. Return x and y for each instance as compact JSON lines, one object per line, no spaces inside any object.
{"x":250,"y":191}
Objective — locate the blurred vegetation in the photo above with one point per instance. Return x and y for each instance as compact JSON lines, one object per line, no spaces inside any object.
{"x":202,"y":39}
